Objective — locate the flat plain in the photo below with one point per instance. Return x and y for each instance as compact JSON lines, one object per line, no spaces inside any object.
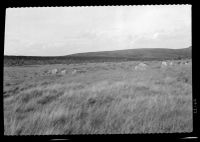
{"x":103,"y":98}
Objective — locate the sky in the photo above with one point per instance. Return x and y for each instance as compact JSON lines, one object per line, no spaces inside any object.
{"x":57,"y":31}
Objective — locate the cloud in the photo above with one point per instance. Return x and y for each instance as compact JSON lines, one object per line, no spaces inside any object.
{"x":81,"y":29}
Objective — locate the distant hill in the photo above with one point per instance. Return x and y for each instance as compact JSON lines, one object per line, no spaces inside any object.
{"x":104,"y":56}
{"x":145,"y":53}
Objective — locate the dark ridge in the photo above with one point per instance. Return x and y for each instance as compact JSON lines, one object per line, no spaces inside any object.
{"x":144,"y":54}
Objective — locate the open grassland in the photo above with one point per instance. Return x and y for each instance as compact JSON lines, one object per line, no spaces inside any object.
{"x":106,"y":98}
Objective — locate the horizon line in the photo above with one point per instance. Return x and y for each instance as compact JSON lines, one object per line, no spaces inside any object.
{"x":97,"y":52}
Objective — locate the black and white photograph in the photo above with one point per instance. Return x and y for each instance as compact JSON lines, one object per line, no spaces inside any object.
{"x":98,"y":70}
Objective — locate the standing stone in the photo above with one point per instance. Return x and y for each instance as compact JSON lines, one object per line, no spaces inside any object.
{"x":63,"y":72}
{"x":54,"y":71}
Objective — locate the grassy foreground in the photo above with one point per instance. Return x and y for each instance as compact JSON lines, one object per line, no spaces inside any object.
{"x":110,"y":98}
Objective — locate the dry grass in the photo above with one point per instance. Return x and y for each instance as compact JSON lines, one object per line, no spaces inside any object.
{"x":102,"y":100}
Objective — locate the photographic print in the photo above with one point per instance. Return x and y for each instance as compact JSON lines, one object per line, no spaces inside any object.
{"x":98,"y":70}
